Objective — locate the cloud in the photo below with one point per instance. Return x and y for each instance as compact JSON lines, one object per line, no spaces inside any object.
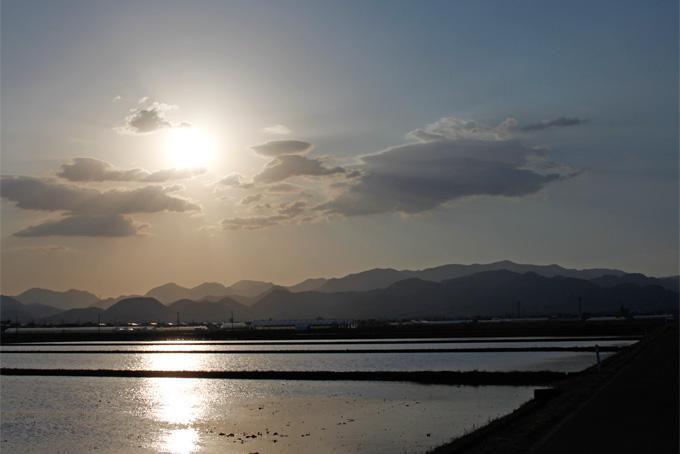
{"x":232,"y":180}
{"x":453,"y":159}
{"x":279,"y":130}
{"x":559,"y":122}
{"x":252,"y":223}
{"x":282,"y":147}
{"x":147,"y":119}
{"x":85,"y":225}
{"x":235,"y":181}
{"x":251,"y":199}
{"x":451,"y":128}
{"x":284,"y":213}
{"x":116,"y":99}
{"x":89,"y":169}
{"x":287,"y":166}
{"x":39,"y":194}
{"x":450,"y":159}
{"x":283,"y":188}
{"x":292,"y":209}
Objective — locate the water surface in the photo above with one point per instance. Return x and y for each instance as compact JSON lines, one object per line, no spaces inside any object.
{"x":83,"y":414}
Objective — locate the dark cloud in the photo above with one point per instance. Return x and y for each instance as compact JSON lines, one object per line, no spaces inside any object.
{"x":38,"y":194}
{"x":90,"y":212}
{"x":559,"y":122}
{"x":416,"y":177}
{"x":85,"y":225}
{"x":451,"y":158}
{"x":287,"y":166}
{"x":147,"y":119}
{"x":90,"y":169}
{"x":282,"y":147}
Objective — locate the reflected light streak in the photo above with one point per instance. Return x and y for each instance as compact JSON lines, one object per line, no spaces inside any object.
{"x":177,"y":402}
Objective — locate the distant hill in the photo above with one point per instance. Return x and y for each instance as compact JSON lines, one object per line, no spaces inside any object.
{"x":249,"y":288}
{"x":61,"y":300}
{"x":14,"y":310}
{"x":246,"y":290}
{"x":440,"y":292}
{"x":138,"y":310}
{"x":670,"y":283}
{"x":384,"y":277}
{"x":491,"y":293}
{"x":168,"y":293}
{"x":207,"y":311}
{"x":75,"y":316}
{"x":308,"y":285}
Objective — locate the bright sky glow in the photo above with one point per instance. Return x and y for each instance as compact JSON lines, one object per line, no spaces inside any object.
{"x":189,"y":147}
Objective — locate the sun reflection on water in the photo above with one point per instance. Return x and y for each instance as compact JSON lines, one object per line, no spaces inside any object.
{"x":176,"y":403}
{"x":180,"y":441}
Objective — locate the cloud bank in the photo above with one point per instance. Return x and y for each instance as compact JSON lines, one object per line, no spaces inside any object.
{"x":447,"y":160}
{"x":113,"y":225}
{"x":89,"y":212}
{"x":90,"y":170}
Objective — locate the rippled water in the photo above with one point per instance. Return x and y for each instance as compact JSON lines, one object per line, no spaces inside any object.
{"x":289,"y":346}
{"x":554,"y":361}
{"x":81,"y":414}
{"x":103,"y":414}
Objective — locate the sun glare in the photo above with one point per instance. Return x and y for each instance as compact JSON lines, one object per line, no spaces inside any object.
{"x":189,"y":147}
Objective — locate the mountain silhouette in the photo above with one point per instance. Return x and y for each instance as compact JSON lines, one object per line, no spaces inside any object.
{"x":213,"y":291}
{"x":490,"y":293}
{"x":207,"y":311}
{"x":138,"y":310}
{"x":14,"y":310}
{"x":384,"y":277}
{"x":61,"y":300}
{"x":478,"y":290}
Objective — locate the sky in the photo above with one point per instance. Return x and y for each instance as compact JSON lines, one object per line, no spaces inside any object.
{"x":145,"y":142}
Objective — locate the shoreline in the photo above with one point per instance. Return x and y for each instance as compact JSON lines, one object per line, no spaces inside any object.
{"x":535,"y":426}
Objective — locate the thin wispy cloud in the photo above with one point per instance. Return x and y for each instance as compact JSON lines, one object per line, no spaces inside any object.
{"x":277,"y":130}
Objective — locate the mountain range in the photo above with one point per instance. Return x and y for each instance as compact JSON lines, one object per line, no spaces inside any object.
{"x":448,"y":291}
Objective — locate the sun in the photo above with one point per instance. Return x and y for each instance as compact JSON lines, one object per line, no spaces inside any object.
{"x":189,"y":147}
